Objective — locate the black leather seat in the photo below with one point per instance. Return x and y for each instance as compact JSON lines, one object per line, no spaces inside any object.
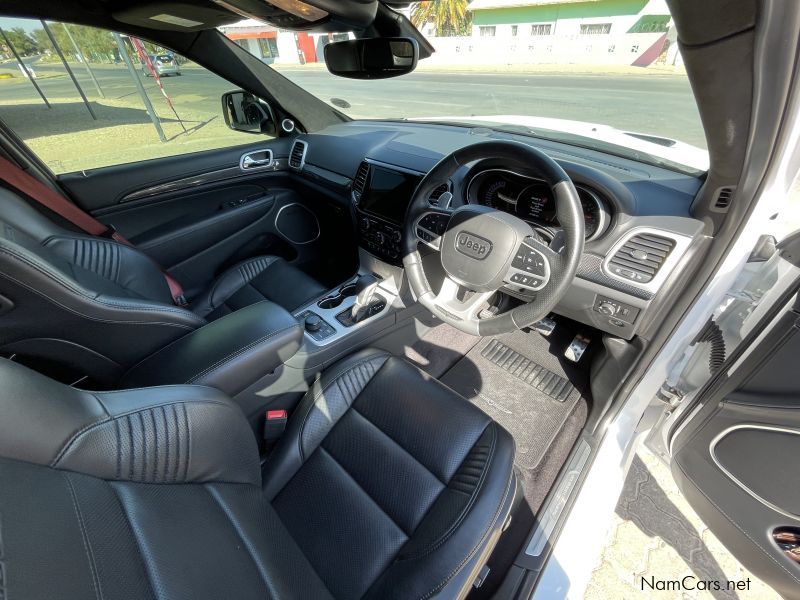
{"x":110,"y":298}
{"x":386,"y":484}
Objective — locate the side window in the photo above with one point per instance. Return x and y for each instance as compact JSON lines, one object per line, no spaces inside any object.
{"x":131,"y":100}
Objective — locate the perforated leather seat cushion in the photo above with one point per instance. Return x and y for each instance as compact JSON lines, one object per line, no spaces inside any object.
{"x":386,"y":484}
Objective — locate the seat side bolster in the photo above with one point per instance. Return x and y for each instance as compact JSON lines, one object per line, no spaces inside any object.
{"x":230,"y":282}
{"x":455,"y":537}
{"x":27,"y":270}
{"x":169,"y":434}
{"x":317,"y":413}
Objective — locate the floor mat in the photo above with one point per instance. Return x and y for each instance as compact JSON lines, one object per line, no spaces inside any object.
{"x":440,"y":348}
{"x":524,"y":384}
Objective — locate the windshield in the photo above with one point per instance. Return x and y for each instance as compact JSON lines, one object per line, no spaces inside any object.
{"x":605,"y":74}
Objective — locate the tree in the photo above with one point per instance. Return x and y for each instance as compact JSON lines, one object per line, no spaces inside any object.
{"x":450,"y":17}
{"x":23,"y":43}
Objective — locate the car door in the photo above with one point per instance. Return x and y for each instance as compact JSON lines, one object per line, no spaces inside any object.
{"x":155,"y":158}
{"x":733,"y":444}
{"x":197,"y":214}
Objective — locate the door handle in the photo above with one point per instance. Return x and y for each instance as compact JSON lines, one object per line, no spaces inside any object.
{"x":257,"y":159}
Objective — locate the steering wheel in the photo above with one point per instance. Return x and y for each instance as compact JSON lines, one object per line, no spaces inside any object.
{"x":483,"y":249}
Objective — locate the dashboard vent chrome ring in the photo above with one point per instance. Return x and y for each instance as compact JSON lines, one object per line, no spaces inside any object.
{"x":297,"y":155}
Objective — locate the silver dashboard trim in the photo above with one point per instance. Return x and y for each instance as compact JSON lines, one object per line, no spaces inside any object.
{"x":682,"y":242}
{"x":718,"y":438}
{"x":316,"y":220}
{"x":605,"y":215}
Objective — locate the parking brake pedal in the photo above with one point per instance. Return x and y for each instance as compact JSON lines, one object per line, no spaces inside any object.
{"x":545,"y":326}
{"x":576,"y":348}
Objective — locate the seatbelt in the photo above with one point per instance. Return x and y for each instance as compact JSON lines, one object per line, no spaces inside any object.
{"x":52,"y":200}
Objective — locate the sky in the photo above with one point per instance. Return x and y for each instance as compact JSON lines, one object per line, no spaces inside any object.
{"x":26,"y":24}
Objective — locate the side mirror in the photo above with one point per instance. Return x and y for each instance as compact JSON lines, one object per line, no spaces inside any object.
{"x":372,"y":58}
{"x":245,"y":112}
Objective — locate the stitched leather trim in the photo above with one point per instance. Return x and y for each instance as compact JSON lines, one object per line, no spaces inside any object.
{"x":75,"y":437}
{"x":334,"y":379}
{"x":236,"y":270}
{"x":87,"y":546}
{"x":222,"y":362}
{"x":478,"y":544}
{"x":447,"y":534}
{"x":126,"y":307}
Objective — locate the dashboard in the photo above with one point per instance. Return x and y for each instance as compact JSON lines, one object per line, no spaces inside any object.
{"x":638,"y":222}
{"x":532,"y":200}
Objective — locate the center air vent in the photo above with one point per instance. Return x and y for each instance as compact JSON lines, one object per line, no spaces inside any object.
{"x":297,"y":156}
{"x":360,"y":180}
{"x":641,"y":256}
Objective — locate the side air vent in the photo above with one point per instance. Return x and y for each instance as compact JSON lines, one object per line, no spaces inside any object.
{"x":360,"y":180}
{"x":297,"y":156}
{"x":724,"y":197}
{"x":640,"y":258}
{"x":437,"y":193}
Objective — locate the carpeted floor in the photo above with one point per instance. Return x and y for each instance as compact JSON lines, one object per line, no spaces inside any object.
{"x":521,"y":380}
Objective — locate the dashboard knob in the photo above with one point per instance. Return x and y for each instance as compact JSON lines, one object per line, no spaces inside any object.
{"x":313,"y":323}
{"x":607,"y":308}
{"x":396,"y":235}
{"x":365,"y":223}
{"x":380,"y":238}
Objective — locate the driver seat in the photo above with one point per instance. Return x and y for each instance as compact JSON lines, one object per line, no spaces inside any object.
{"x":386,"y":484}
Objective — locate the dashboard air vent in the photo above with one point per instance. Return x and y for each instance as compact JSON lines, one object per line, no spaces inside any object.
{"x":297,"y":156}
{"x":640,"y":258}
{"x":724,"y":197}
{"x":360,"y":180}
{"x":437,"y":193}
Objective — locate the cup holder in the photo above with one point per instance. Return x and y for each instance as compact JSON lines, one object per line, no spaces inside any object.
{"x":338,"y":297}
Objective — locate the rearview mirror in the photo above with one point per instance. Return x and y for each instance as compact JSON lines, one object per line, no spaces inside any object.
{"x":245,"y":112}
{"x":372,"y":58}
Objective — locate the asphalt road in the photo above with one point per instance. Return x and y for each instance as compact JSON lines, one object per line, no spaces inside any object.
{"x":648,"y":103}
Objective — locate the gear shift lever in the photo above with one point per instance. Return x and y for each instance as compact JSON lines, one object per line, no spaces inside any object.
{"x":365,"y":289}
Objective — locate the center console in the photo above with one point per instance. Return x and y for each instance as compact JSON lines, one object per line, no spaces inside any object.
{"x":381,"y":194}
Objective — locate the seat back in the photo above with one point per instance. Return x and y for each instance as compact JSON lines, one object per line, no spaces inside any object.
{"x":81,"y":301}
{"x":151,"y":493}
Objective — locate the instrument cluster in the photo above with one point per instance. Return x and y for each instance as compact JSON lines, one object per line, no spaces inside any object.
{"x":533,"y":201}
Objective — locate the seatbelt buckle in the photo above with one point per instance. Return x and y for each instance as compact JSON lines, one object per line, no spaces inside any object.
{"x":275,"y":425}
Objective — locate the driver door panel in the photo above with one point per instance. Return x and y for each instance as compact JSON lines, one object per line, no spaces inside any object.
{"x":197,"y":214}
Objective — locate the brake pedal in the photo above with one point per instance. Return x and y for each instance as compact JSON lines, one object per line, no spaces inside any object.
{"x":545,"y":326}
{"x":576,"y":348}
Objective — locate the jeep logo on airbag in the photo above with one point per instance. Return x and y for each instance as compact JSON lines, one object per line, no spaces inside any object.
{"x":473,"y":245}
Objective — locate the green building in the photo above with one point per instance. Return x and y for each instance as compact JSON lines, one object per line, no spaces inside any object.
{"x":537,"y":18}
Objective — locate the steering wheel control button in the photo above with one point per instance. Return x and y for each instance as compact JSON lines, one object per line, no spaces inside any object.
{"x":434,"y":222}
{"x":529,"y":260}
{"x":315,"y":326}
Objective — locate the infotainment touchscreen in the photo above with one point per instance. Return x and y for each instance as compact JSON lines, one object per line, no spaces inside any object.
{"x":388,"y":193}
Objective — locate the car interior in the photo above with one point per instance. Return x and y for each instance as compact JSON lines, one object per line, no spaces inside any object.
{"x":388,"y":339}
